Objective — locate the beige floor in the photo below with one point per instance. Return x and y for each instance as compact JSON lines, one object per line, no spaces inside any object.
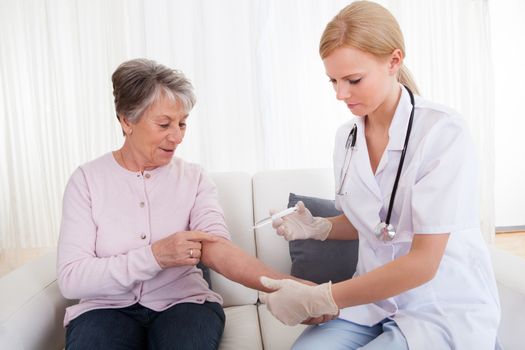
{"x":11,"y":259}
{"x":514,"y":242}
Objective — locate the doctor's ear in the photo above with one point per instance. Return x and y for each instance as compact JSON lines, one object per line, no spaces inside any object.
{"x":395,"y":61}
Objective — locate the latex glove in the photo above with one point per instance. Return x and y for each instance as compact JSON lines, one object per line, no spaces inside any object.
{"x":293,"y":302}
{"x":302,"y":225}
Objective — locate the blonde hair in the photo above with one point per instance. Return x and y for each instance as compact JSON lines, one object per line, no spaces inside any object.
{"x":368,"y":27}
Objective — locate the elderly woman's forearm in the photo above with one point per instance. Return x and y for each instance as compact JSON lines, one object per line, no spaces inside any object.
{"x":94,"y":277}
{"x":233,"y":263}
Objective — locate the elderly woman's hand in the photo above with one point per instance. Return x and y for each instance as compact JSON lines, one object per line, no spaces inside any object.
{"x":180,"y":249}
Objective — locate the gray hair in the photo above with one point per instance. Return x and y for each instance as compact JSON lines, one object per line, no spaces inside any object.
{"x":138,"y":83}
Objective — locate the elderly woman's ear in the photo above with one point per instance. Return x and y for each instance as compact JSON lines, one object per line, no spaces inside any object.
{"x":125,"y":125}
{"x":121,"y":122}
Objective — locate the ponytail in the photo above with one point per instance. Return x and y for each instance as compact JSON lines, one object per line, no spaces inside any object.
{"x":405,"y":77}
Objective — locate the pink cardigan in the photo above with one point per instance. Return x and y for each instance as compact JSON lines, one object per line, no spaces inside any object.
{"x":110,"y":218}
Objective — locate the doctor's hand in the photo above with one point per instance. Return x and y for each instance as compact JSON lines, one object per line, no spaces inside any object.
{"x":293,"y":302}
{"x":302,"y":225}
{"x":318,"y":320}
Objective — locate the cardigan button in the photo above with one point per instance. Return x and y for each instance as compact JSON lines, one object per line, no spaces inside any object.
{"x":143,"y":236}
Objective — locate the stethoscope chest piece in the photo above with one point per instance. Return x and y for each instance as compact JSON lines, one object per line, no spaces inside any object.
{"x":384,"y":232}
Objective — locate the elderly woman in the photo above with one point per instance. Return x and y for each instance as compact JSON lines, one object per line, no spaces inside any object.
{"x":135,"y":224}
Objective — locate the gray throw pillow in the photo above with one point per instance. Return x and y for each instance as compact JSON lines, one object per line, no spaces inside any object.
{"x":322,"y":261}
{"x":205,"y":273}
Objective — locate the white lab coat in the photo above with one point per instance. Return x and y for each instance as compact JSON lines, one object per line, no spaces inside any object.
{"x":437,"y":193}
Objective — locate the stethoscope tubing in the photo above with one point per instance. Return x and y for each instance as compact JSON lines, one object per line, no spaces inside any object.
{"x":350,"y":143}
{"x":402,"y":160}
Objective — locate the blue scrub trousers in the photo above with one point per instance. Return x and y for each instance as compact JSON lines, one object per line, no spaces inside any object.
{"x":182,"y":326}
{"x":344,"y":335}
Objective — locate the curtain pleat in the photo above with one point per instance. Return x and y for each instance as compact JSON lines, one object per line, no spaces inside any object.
{"x":264,"y":101}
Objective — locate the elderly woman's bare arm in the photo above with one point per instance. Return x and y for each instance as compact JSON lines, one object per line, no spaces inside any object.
{"x":235,"y":264}
{"x":232,"y":262}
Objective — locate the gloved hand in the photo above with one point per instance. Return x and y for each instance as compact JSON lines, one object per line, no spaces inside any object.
{"x":293,"y":302}
{"x":302,"y":225}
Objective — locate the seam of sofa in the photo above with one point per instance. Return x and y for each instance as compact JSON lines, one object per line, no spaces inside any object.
{"x":257,"y":304}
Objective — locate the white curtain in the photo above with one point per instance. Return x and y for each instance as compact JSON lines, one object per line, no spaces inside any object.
{"x":449,"y":53}
{"x":264,"y":101}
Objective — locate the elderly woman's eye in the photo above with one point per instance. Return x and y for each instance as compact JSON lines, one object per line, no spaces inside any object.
{"x":182,"y":125}
{"x":164,"y":126}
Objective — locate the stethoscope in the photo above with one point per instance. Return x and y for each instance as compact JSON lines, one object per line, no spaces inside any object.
{"x":384,"y":230}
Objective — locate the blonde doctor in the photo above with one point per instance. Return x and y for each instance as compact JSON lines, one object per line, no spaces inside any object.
{"x":405,"y":174}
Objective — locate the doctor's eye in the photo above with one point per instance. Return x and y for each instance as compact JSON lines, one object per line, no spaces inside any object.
{"x":354,"y":82}
{"x":332,"y":81}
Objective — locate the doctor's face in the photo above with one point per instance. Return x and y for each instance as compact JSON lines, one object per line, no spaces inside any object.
{"x":361,"y":80}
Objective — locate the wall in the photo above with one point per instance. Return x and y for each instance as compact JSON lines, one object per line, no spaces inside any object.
{"x":508,"y":28}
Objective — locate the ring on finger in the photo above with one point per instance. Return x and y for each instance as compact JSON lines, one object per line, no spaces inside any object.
{"x":191,"y":252}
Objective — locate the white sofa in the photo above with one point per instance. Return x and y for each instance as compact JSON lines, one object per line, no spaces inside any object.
{"x":32,"y":307}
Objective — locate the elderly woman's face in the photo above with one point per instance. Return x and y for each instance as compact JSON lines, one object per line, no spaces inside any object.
{"x":158,"y":133}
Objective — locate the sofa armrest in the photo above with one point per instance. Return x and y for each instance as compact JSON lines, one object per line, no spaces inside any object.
{"x":32,"y":307}
{"x":509,"y":270}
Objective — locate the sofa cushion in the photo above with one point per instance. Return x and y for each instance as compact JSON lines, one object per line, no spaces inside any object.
{"x":234,"y":191}
{"x":241,"y":330}
{"x":270,"y":191}
{"x":276,"y":335}
{"x":322,"y":261}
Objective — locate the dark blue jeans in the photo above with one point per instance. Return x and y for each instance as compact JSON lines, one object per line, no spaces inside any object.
{"x":183,"y":326}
